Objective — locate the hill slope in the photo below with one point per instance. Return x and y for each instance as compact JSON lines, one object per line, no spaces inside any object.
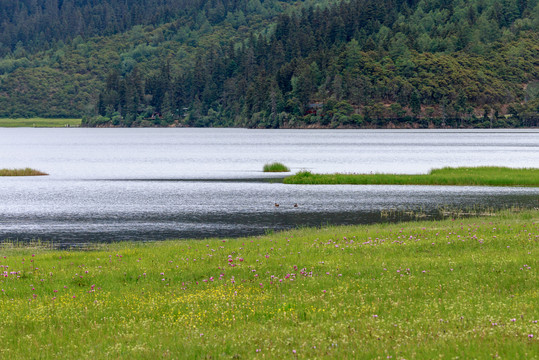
{"x":287,"y":64}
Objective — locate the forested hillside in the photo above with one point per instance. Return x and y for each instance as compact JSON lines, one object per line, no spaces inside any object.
{"x":253,"y":63}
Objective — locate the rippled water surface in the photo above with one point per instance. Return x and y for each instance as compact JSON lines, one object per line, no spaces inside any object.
{"x":152,"y":184}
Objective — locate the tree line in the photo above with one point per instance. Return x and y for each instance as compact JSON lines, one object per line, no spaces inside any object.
{"x":355,"y":63}
{"x":272,"y":63}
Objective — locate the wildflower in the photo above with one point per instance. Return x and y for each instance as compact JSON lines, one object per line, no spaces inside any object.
{"x":530,"y":336}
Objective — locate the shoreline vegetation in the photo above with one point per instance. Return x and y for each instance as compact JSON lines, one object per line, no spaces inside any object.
{"x":21,"y":172}
{"x":463,"y":176}
{"x":40,"y":122}
{"x":276,"y":167}
{"x":456,"y":287}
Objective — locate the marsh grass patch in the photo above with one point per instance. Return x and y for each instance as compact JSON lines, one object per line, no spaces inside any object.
{"x":276,"y":167}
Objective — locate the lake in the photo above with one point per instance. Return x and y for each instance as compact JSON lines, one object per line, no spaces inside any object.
{"x":153,"y":184}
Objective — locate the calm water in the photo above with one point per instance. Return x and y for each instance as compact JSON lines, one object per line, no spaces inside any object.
{"x":152,"y":184}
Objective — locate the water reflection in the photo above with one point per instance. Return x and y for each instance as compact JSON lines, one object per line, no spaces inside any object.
{"x":154,"y":184}
{"x":87,"y":211}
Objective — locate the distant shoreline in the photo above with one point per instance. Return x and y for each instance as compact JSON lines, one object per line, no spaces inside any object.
{"x":77,"y":122}
{"x":40,"y":122}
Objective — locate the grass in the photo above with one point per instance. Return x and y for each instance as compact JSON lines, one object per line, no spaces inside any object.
{"x":276,"y":167}
{"x":39,"y":122}
{"x":470,"y":176}
{"x":21,"y":172}
{"x":419,"y":290}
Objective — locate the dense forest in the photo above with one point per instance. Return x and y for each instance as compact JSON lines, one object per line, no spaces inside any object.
{"x":254,"y":63}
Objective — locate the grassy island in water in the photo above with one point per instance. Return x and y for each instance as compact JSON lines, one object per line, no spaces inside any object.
{"x":465,"y":176}
{"x":465,"y":288}
{"x":21,"y":172}
{"x":275,"y":167}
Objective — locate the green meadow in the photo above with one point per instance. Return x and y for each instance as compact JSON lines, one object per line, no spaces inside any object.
{"x":39,"y":122}
{"x":456,"y":288}
{"x":465,"y":176}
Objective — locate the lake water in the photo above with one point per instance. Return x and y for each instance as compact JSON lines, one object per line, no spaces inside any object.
{"x":154,"y":184}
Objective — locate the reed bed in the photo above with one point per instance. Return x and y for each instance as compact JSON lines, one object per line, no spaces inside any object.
{"x":463,"y":176}
{"x":466,"y":288}
{"x":21,"y":172}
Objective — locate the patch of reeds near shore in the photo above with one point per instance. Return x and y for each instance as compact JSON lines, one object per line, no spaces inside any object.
{"x":276,"y":167}
{"x":21,"y":172}
{"x":455,"y":288}
{"x":463,"y":176}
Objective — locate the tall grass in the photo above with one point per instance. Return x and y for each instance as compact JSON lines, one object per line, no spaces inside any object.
{"x":464,"y":288}
{"x":21,"y":172}
{"x":39,"y":122}
{"x":275,"y":167}
{"x":471,"y":176}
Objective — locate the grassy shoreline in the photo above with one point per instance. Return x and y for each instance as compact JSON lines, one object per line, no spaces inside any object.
{"x":21,"y":172}
{"x":467,"y":288}
{"x":39,"y":122}
{"x":464,"y":176}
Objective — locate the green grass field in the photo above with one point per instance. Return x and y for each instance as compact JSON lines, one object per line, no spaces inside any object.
{"x":464,"y":288}
{"x":470,"y":176}
{"x":39,"y":122}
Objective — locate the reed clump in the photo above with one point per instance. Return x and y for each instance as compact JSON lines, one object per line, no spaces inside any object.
{"x":276,"y":167}
{"x":463,"y":176}
{"x":21,"y":172}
